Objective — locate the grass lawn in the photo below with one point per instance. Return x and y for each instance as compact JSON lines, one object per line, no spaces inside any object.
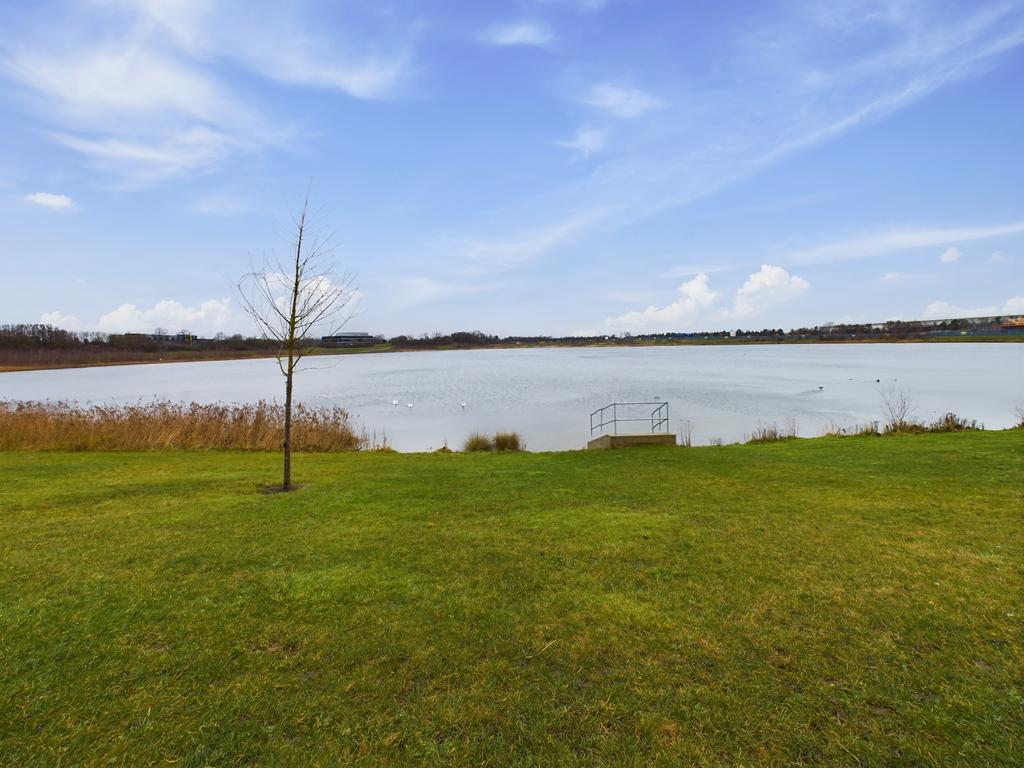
{"x":854,"y":601}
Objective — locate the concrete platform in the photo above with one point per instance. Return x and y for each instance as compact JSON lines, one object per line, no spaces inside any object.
{"x":629,"y":441}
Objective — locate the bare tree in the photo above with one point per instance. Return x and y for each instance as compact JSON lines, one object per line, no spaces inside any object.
{"x":897,"y":406}
{"x":292,"y":300}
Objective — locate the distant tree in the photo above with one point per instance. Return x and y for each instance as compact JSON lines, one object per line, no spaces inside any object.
{"x":291,"y":300}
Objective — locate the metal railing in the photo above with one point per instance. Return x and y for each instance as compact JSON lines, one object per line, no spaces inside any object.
{"x":609,"y":415}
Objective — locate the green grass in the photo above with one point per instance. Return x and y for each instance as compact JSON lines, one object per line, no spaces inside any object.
{"x":839,"y":601}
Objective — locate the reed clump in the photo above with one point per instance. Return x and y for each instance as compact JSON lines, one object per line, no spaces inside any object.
{"x":773,"y":433}
{"x":949,"y":422}
{"x":868,"y":429}
{"x":477,"y":442}
{"x":28,"y":426}
{"x":509,"y":442}
{"x":502,"y":442}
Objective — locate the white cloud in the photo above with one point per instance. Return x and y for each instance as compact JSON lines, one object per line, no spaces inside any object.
{"x":950,"y":255}
{"x":941,"y":310}
{"x":50,"y":200}
{"x":891,"y":277}
{"x":769,"y":286}
{"x":889,"y":242}
{"x":60,"y":320}
{"x":620,"y":100}
{"x":207,"y":318}
{"x":586,"y":142}
{"x":1014,"y":305}
{"x":524,"y":33}
{"x":695,"y":300}
{"x":998,"y":258}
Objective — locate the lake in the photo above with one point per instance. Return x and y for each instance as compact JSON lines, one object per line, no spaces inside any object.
{"x":547,"y":395}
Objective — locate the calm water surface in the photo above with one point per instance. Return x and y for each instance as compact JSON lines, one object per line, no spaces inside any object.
{"x":548,"y":394}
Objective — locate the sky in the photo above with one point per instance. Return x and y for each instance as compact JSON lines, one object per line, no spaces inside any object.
{"x":515,"y":167}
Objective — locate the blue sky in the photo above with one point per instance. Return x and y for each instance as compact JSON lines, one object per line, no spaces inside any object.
{"x":531,"y":166}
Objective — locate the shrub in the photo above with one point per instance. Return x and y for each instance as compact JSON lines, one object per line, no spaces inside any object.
{"x":509,"y":441}
{"x":897,"y":407}
{"x":478,"y":442}
{"x":953,"y":423}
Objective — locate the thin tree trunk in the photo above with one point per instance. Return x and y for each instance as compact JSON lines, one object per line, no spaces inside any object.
{"x":288,"y":431}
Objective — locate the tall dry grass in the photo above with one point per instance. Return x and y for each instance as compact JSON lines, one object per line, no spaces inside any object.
{"x":773,"y":433}
{"x":34,"y":426}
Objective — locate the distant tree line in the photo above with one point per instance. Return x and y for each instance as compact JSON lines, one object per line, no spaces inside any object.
{"x":39,"y":344}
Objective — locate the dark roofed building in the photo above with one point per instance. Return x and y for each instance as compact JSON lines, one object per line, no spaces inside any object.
{"x":352,"y":339}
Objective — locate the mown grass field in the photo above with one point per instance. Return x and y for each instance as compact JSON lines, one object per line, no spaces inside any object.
{"x":853,"y":601}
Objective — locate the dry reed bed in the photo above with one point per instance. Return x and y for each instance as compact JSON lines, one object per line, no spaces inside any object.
{"x":156,"y":425}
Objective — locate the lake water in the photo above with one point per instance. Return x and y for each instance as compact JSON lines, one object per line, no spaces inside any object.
{"x":547,"y":395}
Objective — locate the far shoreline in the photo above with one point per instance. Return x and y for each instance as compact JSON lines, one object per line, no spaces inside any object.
{"x":160,"y":358}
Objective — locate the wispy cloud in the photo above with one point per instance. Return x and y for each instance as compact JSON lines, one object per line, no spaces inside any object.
{"x":586,"y":142}
{"x":620,"y":100}
{"x":50,"y":200}
{"x":505,"y":254}
{"x":220,"y":206}
{"x":950,"y":255}
{"x":688,"y":270}
{"x":418,"y":290}
{"x":522,"y":33}
{"x":688,"y":143}
{"x":145,"y":99}
{"x":581,"y":5}
{"x":902,"y":240}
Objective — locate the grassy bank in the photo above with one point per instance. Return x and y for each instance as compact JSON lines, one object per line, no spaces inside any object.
{"x":840,"y":601}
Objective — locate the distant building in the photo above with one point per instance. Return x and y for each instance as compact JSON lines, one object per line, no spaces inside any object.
{"x":352,"y":339}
